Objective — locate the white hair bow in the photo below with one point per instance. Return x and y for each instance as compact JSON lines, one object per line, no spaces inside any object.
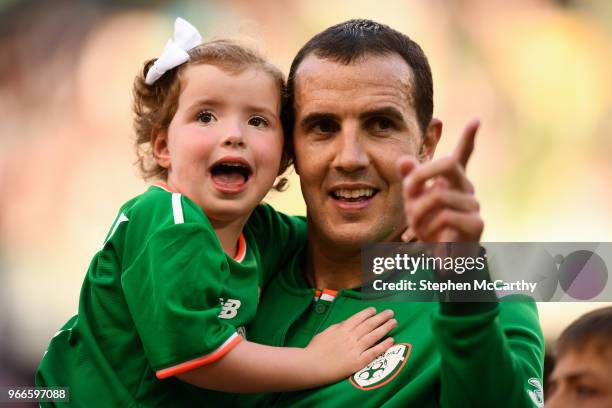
{"x":175,"y":53}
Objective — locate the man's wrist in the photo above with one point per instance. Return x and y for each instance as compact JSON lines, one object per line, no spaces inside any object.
{"x":460,"y":303}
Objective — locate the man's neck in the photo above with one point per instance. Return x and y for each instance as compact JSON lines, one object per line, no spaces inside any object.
{"x":334,"y":265}
{"x":330,"y":267}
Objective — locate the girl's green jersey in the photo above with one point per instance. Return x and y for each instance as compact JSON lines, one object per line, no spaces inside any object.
{"x":160,"y":298}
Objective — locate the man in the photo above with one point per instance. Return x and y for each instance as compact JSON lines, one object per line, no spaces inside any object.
{"x":581,"y":377}
{"x":360,"y":104}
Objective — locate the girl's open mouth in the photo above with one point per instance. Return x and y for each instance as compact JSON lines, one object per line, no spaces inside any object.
{"x":231,"y":176}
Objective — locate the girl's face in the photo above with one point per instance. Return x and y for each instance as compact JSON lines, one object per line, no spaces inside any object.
{"x":223,"y":146}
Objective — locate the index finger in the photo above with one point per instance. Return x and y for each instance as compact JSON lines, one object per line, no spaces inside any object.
{"x":465,"y":147}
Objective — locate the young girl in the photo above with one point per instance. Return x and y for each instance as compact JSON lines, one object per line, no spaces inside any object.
{"x":164,"y":302}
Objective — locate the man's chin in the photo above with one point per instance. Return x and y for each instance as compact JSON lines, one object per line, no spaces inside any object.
{"x":355,"y":235}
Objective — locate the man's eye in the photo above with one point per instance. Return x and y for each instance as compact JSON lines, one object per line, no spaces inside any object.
{"x":325,"y":126}
{"x":258,"y":121}
{"x":205,"y":117}
{"x":381,"y":124}
{"x":586,"y":391}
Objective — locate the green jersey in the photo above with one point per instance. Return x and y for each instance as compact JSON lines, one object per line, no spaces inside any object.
{"x":161,"y":298}
{"x":445,"y":354}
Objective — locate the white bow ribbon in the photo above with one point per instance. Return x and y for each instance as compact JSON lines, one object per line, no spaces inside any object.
{"x":175,"y":53}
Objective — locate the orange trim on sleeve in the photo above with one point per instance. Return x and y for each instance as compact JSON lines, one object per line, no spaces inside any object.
{"x":222,"y":350}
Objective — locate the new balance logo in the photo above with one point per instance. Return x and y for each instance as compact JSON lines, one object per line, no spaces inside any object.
{"x":229,"y":308}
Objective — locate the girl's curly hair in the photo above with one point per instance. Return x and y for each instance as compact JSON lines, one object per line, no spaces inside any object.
{"x":155,"y":105}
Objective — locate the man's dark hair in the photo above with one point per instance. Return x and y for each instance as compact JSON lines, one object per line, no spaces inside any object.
{"x":353,"y":39}
{"x":592,"y":328}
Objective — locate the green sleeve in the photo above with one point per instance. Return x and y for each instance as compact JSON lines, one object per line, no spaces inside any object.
{"x":492,"y":354}
{"x":172,"y":289}
{"x":278,"y":237}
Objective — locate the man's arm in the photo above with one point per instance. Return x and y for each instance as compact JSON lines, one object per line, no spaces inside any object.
{"x":492,"y":353}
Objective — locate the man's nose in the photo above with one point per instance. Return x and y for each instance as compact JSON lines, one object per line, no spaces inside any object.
{"x":351,"y":154}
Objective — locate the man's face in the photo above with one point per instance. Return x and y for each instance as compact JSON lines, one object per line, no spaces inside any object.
{"x":582,"y":378}
{"x":352,"y":123}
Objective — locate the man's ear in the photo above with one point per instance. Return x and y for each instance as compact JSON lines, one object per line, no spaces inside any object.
{"x":159,"y":146}
{"x":430,"y":140}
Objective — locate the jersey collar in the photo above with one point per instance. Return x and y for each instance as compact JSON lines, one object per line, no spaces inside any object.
{"x":241,"y":247}
{"x":293,"y":278}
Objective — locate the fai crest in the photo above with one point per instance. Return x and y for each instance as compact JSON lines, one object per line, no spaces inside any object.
{"x":537,"y":392}
{"x":383,"y":369}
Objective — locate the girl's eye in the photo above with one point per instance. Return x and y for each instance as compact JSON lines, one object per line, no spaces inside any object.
{"x":205,"y":117}
{"x":258,"y":121}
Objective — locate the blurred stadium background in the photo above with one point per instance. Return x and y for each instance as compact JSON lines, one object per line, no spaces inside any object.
{"x":537,"y":72}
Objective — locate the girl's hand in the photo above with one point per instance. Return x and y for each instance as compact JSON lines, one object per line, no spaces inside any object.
{"x":347,"y":347}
